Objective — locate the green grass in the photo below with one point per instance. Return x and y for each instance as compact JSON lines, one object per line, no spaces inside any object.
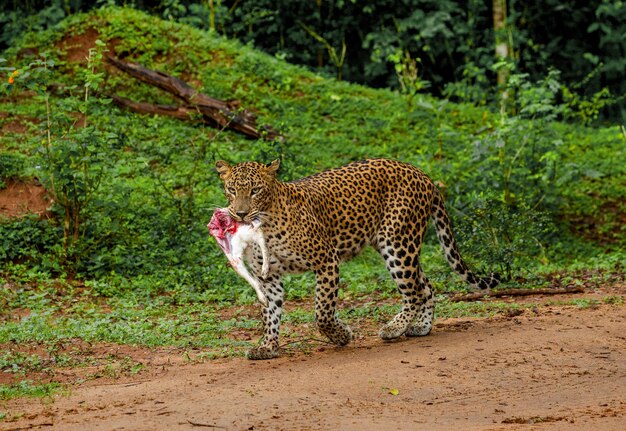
{"x":27,"y":389}
{"x":18,"y":362}
{"x":152,"y":324}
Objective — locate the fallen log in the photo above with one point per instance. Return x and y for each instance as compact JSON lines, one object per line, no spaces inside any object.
{"x":516,"y":292}
{"x":217,"y":113}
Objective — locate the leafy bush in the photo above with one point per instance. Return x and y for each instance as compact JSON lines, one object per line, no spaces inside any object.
{"x":505,"y":239}
{"x":11,"y":166}
{"x":520,"y":156}
{"x":26,"y":239}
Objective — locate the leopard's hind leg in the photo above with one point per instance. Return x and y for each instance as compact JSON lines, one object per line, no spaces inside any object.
{"x":424,"y":321}
{"x":401,"y":255}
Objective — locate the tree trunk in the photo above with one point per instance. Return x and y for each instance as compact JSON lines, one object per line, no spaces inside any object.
{"x":503,"y":50}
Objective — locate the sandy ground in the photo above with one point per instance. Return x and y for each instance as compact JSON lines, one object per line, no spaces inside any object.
{"x":552,"y":367}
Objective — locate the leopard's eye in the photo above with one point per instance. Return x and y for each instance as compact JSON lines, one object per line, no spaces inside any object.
{"x":231,"y":190}
{"x":255,"y":191}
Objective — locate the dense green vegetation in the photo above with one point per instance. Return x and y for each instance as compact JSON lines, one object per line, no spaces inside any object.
{"x":445,"y":47}
{"x":124,"y":254}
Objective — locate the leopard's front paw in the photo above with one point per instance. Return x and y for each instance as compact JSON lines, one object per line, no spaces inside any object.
{"x":262,"y":352}
{"x":339,"y":334}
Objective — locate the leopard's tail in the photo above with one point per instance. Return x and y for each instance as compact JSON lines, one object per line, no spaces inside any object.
{"x":450,"y":249}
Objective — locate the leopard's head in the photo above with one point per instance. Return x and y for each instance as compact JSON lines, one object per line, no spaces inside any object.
{"x":248,"y":187}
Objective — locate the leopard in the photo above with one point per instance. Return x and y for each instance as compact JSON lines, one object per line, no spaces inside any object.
{"x":317,"y":222}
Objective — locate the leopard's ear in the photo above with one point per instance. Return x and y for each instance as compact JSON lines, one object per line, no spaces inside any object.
{"x":223,"y":168}
{"x":272,"y":168}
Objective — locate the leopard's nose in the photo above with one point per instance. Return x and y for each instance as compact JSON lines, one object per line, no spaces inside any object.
{"x":242,"y":214}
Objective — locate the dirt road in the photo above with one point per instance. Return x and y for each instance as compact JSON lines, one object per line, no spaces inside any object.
{"x":556,"y":367}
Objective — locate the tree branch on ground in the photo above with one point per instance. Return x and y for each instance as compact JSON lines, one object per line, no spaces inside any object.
{"x":517,"y":292}
{"x":215,"y":112}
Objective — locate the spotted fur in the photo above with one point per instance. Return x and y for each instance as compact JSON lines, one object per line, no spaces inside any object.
{"x":314,"y":223}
